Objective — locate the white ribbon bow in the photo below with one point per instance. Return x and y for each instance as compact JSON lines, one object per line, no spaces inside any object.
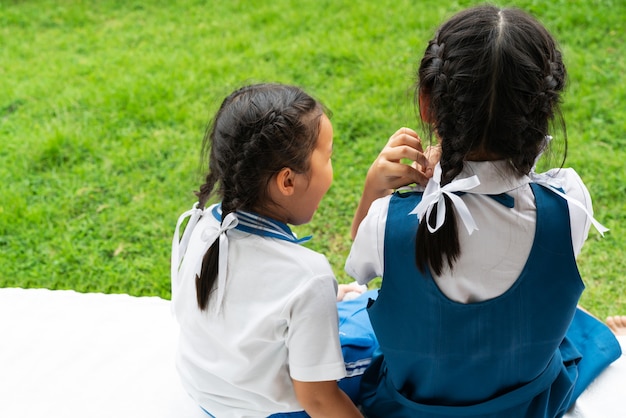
{"x":179,"y":248}
{"x":209,"y":237}
{"x":179,"y":245}
{"x":552,"y":183}
{"x":434,"y":196}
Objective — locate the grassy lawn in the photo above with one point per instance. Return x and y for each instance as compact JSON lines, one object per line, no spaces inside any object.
{"x":103,"y":105}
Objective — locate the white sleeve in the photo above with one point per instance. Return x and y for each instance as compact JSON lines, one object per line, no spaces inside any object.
{"x":366,"y":259}
{"x":313,"y":335}
{"x":574,"y":187}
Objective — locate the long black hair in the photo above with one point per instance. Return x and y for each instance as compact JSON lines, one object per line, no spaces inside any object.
{"x":258,"y":130}
{"x":492,"y":79}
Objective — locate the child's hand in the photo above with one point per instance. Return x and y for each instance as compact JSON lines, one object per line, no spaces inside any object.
{"x":350,"y":291}
{"x":388,"y":172}
{"x":433,"y":154}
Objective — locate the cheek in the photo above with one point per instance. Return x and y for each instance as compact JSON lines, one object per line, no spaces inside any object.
{"x":329,"y":173}
{"x":328,"y":180}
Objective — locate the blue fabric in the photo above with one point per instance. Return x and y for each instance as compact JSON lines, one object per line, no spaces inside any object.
{"x":298,"y":414}
{"x":502,"y":198}
{"x":358,"y":341}
{"x":504,"y":357}
{"x":207,"y":412}
{"x":597,"y":345}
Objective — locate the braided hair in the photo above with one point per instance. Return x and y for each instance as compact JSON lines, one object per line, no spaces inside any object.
{"x":493,"y":79}
{"x":257,"y":131}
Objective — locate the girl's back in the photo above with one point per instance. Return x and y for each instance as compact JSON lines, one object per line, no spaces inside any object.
{"x":476,"y":313}
{"x":465,"y":354}
{"x":257,"y":311}
{"x":492,"y":257}
{"x":277,"y":291}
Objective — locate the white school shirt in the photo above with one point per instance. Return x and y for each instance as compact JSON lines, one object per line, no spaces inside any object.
{"x":278,"y":321}
{"x":492,"y":257}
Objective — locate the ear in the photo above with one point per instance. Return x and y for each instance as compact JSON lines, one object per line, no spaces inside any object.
{"x":424,"y":103}
{"x":285,"y":181}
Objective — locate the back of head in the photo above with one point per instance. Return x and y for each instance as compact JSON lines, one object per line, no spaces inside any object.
{"x":494,"y":78}
{"x":491,"y":79}
{"x":258,"y":130}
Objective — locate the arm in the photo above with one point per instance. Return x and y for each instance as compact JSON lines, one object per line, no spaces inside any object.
{"x":324,"y":399}
{"x":574,"y":187}
{"x":388,"y":172}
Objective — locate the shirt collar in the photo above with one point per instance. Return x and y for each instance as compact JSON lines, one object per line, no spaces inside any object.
{"x":254,"y":223}
{"x":496,"y":177}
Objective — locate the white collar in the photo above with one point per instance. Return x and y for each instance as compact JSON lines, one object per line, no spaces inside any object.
{"x":487,"y":178}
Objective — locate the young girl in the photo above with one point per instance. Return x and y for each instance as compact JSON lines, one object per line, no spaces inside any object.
{"x":257,"y":312}
{"x":477,"y":313}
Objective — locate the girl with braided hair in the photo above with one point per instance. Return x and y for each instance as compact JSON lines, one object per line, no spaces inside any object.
{"x":257,"y":310}
{"x":477,"y":313}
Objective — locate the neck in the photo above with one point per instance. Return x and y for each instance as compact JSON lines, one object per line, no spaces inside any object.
{"x":482,"y":155}
{"x":273,"y":211}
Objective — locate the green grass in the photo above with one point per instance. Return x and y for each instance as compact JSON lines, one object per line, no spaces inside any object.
{"x":103,"y":105}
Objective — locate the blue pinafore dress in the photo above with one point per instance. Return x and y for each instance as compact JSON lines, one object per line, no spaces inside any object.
{"x":526,"y":353}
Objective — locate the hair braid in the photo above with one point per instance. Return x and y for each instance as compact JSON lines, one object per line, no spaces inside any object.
{"x":493,"y":79}
{"x":206,"y":189}
{"x":433,"y":249}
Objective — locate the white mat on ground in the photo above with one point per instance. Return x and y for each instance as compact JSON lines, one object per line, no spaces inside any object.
{"x":65,"y":354}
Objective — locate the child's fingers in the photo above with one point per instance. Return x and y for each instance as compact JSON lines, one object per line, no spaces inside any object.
{"x":422,"y":176}
{"x":395,"y":175}
{"x":405,"y":130}
{"x":397,"y":153}
{"x":405,"y":136}
{"x":389,"y":172}
{"x":432,"y":155}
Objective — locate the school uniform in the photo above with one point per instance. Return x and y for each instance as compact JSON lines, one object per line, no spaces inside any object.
{"x":274,"y":320}
{"x":499,"y":334}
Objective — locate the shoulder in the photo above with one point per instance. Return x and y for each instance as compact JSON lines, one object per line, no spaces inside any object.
{"x":296,"y":261}
{"x":403,"y":202}
{"x":207,"y":219}
{"x":380,"y":204}
{"x":570,"y":182}
{"x":375,"y":219}
{"x":406,"y":195}
{"x":310,"y":259}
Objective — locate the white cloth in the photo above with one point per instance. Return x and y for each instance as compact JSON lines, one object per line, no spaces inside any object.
{"x":493,"y":256}
{"x":65,"y":354}
{"x":604,"y":397}
{"x":278,"y":321}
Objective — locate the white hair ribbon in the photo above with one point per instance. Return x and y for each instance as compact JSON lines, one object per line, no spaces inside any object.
{"x":209,"y":237}
{"x":179,"y":245}
{"x":434,"y":196}
{"x":552,"y":183}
